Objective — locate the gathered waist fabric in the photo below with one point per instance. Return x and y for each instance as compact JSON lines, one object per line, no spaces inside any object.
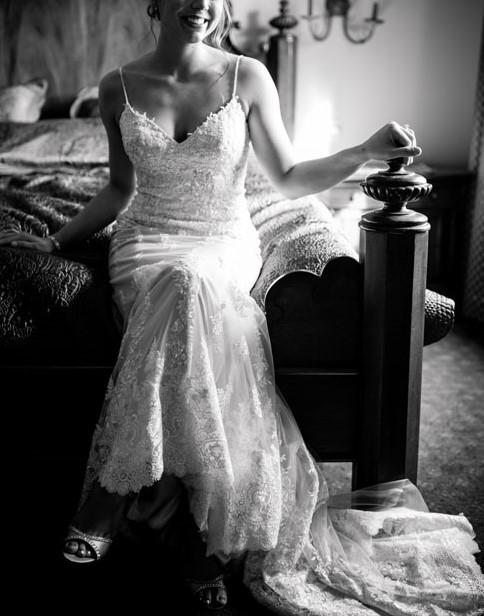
{"x":150,"y":209}
{"x":230,"y":258}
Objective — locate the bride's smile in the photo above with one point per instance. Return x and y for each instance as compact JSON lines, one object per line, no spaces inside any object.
{"x":193,"y":20}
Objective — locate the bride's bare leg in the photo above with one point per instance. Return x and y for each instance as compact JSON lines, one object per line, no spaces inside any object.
{"x":197,"y":566}
{"x":156,"y":506}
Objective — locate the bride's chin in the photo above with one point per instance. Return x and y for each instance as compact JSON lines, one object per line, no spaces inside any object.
{"x":197,"y":38}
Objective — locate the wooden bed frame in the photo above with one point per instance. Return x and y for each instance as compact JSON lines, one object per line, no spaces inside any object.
{"x":363,"y":408}
{"x":366,"y":413}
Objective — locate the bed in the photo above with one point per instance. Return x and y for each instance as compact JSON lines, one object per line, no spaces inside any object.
{"x":347,"y":332}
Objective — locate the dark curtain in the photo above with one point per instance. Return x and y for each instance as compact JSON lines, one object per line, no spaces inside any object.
{"x":473,"y":301}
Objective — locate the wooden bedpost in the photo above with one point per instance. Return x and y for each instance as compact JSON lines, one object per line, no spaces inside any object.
{"x":394,"y":257}
{"x":281,"y":63}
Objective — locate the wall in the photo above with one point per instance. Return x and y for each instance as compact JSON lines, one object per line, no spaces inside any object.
{"x":420,"y":67}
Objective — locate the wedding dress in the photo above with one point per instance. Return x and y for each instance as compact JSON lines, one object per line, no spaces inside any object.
{"x":193,"y":395}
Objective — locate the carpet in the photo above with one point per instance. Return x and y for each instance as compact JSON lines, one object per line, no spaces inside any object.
{"x":451,"y":460}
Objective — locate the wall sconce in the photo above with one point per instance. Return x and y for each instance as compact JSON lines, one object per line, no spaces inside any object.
{"x":320,"y":24}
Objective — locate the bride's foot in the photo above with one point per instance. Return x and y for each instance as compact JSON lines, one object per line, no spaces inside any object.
{"x":210,"y":594}
{"x":80,"y":547}
{"x":204,"y":577}
{"x":101,"y":512}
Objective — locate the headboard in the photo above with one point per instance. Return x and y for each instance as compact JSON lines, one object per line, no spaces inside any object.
{"x":71,"y":43}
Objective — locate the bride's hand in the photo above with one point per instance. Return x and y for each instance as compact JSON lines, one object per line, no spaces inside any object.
{"x":392,"y":141}
{"x":12,"y":237}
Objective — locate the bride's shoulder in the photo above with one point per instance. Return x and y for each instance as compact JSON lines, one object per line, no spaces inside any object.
{"x":112,"y":79}
{"x":247,"y":64}
{"x":252,"y":70}
{"x":109,"y":81}
{"x":111,"y":92}
{"x":111,"y":95}
{"x":254,"y":79}
{"x":110,"y":89}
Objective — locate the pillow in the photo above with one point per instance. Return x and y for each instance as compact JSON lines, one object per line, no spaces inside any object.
{"x":86,"y":104}
{"x":23,"y":102}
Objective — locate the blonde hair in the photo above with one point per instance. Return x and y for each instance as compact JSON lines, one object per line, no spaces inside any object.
{"x":218,"y":36}
{"x":215,"y":38}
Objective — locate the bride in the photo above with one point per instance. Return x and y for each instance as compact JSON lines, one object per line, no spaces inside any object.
{"x":192,"y":427}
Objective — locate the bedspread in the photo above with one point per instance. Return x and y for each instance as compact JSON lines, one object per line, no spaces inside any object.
{"x":48,"y":299}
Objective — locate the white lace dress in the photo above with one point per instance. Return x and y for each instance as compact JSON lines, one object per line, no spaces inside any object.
{"x":193,"y":395}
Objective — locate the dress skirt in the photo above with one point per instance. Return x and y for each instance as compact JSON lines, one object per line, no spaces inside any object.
{"x":193,"y":395}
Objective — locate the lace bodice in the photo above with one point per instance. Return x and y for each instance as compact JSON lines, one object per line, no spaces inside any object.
{"x":195,"y":186}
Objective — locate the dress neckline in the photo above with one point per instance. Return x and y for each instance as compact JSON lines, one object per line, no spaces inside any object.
{"x":212,"y":115}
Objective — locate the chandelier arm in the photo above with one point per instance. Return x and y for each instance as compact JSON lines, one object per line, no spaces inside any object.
{"x":315,"y":31}
{"x":349,"y":36}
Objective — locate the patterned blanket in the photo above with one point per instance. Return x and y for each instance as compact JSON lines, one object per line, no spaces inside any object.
{"x":43,"y":295}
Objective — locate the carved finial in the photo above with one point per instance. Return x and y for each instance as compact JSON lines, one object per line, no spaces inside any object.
{"x":396,"y":187}
{"x":284,"y":21}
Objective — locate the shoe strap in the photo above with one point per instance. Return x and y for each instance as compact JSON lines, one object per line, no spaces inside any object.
{"x":198,"y":585}
{"x":79,"y":534}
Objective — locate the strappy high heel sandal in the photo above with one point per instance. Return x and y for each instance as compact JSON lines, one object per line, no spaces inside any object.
{"x":98,"y":545}
{"x":196,"y":588}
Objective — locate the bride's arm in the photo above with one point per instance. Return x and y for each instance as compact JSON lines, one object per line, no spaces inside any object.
{"x":114,"y":197}
{"x":275,"y":152}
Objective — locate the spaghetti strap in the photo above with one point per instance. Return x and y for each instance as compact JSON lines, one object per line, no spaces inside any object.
{"x":124,"y":87}
{"x":236,"y":72}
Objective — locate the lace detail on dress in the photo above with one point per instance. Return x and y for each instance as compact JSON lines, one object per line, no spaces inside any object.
{"x":193,"y":394}
{"x":208,"y":196}
{"x":182,"y":263}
